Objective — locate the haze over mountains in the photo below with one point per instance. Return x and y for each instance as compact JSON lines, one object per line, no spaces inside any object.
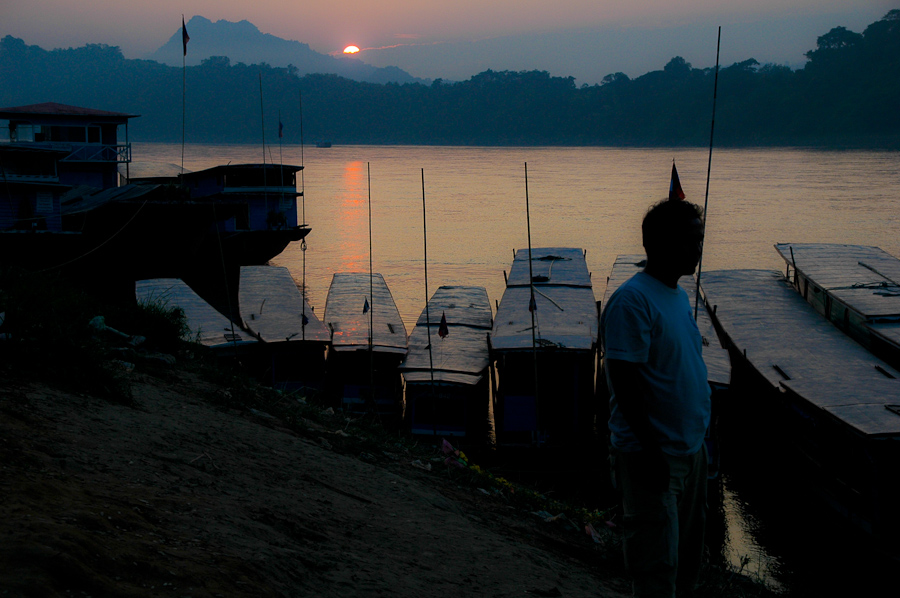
{"x":244,"y":42}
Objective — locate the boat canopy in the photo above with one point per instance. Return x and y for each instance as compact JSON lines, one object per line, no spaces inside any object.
{"x":347,"y":314}
{"x":272,"y":306}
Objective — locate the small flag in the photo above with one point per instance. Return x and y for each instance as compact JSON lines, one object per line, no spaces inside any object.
{"x":366,"y":306}
{"x":185,"y":38}
{"x":532,"y":306}
{"x":305,"y":319}
{"x":280,"y":129}
{"x":675,"y":190}
{"x":443,"y":331}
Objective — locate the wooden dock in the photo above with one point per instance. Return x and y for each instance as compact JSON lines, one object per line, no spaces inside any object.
{"x":855,"y":286}
{"x":448,"y":388}
{"x":718,"y":363}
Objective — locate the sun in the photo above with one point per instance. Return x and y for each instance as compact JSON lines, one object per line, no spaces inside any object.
{"x":351,"y":50}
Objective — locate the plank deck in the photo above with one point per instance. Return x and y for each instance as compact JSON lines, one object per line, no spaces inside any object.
{"x":272,"y":307}
{"x":462,"y":356}
{"x":344,"y":315}
{"x":566,"y":314}
{"x":207,"y":326}
{"x":796,"y":349}
{"x":718,"y":363}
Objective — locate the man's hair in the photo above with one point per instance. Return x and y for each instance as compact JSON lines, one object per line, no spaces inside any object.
{"x":665,"y":217}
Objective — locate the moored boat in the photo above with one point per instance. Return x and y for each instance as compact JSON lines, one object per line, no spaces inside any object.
{"x":855,"y":286}
{"x":823,"y":394}
{"x":546,"y":353}
{"x":207,"y":326}
{"x":446,"y":375}
{"x":274,"y":310}
{"x":368,"y":342}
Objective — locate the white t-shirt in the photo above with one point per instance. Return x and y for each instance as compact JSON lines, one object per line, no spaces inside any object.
{"x":652,"y":324}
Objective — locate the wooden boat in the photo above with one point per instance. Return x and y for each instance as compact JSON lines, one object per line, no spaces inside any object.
{"x":854,"y":286}
{"x":273,"y":309}
{"x":562,"y":356}
{"x":447,"y":389}
{"x":718,"y":363}
{"x":207,"y":326}
{"x":827,"y":395}
{"x":368,"y":342}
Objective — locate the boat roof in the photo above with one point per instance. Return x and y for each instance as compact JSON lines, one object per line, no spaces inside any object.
{"x":550,"y":266}
{"x":864,"y":278}
{"x":206,"y":172}
{"x":462,"y":356}
{"x":207,"y":326}
{"x":83,"y":198}
{"x":55,"y":109}
{"x":347,"y":295}
{"x":566,"y":315}
{"x":718,"y":363}
{"x":780,"y":332}
{"x":272,"y":306}
{"x":151,"y":170}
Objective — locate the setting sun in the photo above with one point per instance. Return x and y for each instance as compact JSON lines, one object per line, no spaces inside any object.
{"x":351,"y":50}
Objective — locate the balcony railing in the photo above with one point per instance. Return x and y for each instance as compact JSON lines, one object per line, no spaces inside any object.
{"x":100,"y":153}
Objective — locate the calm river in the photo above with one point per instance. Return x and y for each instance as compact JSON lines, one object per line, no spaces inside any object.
{"x":593,"y":198}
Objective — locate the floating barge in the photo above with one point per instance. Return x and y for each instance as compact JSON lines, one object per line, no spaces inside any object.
{"x":207,"y":326}
{"x":562,"y":354}
{"x":826,"y":394}
{"x":368,"y":342}
{"x":855,"y":286}
{"x":448,"y":388}
{"x":295,"y":341}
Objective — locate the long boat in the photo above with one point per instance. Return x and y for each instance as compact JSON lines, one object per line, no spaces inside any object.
{"x":368,"y":342}
{"x":206,"y":325}
{"x":823,"y":393}
{"x":274,"y":310}
{"x":855,"y":286}
{"x":447,"y":387}
{"x":561,"y":354}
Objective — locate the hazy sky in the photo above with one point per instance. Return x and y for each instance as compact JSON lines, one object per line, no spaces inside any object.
{"x":459,"y":38}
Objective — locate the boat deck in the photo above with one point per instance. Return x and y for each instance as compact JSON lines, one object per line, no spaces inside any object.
{"x":207,"y":326}
{"x":566,"y":310}
{"x":718,"y":363}
{"x":795,"y":349}
{"x":347,"y":296}
{"x":863,"y":279}
{"x":462,"y":356}
{"x":272,"y":307}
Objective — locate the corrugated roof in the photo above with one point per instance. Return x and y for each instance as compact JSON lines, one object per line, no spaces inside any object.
{"x":55,"y":109}
{"x":347,"y":296}
{"x":272,"y":306}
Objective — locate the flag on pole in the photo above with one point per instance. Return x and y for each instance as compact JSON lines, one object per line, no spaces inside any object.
{"x":443,"y":331}
{"x":305,"y":319}
{"x":280,"y":129}
{"x":532,"y":306}
{"x":366,"y":306}
{"x":185,"y":38}
{"x":675,"y":190}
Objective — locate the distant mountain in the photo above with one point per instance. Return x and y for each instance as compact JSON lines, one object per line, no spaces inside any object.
{"x":244,"y":42}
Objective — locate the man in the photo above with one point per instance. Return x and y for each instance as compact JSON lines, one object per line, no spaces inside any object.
{"x":659,"y":405}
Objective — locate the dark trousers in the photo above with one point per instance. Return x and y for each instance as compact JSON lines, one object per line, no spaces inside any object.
{"x":663,"y":529}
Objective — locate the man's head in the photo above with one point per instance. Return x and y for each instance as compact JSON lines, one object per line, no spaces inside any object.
{"x":673,"y":235}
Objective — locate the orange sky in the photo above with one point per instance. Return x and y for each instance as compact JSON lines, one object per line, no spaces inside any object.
{"x":329,"y":26}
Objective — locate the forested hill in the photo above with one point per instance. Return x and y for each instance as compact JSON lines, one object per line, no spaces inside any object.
{"x":848,"y":94}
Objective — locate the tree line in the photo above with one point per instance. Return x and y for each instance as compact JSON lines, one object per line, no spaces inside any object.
{"x":847,"y":95}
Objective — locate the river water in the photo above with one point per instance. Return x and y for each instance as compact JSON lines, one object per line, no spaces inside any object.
{"x":593,"y":198}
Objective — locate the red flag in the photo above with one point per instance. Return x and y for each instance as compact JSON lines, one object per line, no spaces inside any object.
{"x":675,"y":190}
{"x":185,"y":38}
{"x":443,"y":331}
